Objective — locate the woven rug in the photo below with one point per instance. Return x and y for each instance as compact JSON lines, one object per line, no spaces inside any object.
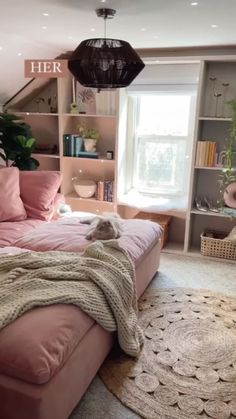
{"x":187,"y":368}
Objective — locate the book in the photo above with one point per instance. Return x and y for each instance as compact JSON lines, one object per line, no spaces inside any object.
{"x":66,"y":144}
{"x":78,"y":145}
{"x":110,"y":191}
{"x":89,"y":154}
{"x":205,"y":155}
{"x":100,"y":194}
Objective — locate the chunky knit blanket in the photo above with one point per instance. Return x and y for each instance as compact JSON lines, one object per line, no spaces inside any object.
{"x":101,"y":282}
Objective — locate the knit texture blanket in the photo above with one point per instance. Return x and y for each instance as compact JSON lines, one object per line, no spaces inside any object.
{"x":101,"y":282}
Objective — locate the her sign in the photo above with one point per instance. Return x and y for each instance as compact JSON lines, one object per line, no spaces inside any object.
{"x":46,"y":68}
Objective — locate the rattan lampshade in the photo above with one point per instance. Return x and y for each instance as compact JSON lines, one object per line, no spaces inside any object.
{"x":105,"y":63}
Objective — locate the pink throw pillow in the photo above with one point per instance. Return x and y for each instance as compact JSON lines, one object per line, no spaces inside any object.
{"x":11,"y":205}
{"x":38,"y":190}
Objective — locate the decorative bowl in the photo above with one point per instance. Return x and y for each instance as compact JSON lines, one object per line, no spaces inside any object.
{"x":83,"y":187}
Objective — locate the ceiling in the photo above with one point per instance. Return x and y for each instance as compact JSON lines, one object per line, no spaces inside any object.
{"x":27,"y":33}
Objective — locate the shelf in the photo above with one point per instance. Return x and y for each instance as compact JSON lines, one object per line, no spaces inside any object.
{"x":100,"y":160}
{"x":35,"y":113}
{"x":209,"y":167}
{"x":73,"y":195}
{"x":213,"y":118}
{"x":44,"y":155}
{"x":83,"y":115}
{"x":209,"y":213}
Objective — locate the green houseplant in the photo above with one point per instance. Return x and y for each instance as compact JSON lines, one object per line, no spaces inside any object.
{"x":16,"y":142}
{"x":228,"y":174}
{"x":90,"y":137}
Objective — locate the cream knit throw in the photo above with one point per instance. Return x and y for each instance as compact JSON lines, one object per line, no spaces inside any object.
{"x":101,"y":282}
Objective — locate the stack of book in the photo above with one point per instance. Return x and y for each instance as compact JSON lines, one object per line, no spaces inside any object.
{"x":206,"y":153}
{"x":104,"y":191}
{"x":73,"y":146}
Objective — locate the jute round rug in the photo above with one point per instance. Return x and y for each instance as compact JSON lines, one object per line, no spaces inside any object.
{"x":187,"y":368}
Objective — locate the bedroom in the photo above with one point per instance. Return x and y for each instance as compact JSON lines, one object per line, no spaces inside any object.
{"x":154,"y":150}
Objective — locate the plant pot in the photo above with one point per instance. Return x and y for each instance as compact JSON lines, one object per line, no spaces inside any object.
{"x":89,"y":144}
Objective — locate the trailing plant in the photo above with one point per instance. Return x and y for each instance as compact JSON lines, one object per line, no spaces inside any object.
{"x":16,"y":142}
{"x":228,"y":174}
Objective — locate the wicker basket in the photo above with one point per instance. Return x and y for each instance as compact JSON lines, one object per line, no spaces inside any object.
{"x":216,"y":247}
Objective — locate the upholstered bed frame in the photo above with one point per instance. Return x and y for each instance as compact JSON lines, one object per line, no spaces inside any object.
{"x":57,"y":398}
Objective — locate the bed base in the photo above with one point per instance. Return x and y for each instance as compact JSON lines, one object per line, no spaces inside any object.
{"x":57,"y":398}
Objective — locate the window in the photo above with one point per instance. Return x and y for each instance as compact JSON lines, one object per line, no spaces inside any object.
{"x":161,"y":134}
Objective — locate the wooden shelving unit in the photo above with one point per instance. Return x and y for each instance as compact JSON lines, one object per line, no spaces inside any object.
{"x":49,"y":127}
{"x":204,"y":180}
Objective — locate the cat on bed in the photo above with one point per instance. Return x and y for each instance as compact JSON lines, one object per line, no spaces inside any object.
{"x":104,"y":227}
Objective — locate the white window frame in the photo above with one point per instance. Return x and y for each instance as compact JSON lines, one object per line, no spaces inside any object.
{"x":132,"y":145}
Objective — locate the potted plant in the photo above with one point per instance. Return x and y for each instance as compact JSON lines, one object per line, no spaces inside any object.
{"x":16,"y":142}
{"x":90,"y":137}
{"x":228,"y":174}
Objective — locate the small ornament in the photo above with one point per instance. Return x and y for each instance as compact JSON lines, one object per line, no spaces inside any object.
{"x":109,"y":155}
{"x":74,"y":108}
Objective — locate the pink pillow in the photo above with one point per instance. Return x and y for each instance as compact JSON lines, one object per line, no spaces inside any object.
{"x":11,"y":205}
{"x":38,"y":190}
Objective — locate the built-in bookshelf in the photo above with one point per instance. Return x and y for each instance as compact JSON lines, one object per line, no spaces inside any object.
{"x":46,"y":106}
{"x":217,"y":86}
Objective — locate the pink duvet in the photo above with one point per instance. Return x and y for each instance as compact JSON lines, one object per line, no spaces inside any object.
{"x":68,"y":234}
{"x":11,"y":231}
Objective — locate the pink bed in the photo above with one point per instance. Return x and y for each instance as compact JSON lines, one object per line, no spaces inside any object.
{"x":47,"y":357}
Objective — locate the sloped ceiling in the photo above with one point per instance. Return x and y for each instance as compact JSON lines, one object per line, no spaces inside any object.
{"x":26,"y":33}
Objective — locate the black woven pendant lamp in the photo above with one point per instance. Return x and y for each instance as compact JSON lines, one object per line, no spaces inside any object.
{"x":105,"y":63}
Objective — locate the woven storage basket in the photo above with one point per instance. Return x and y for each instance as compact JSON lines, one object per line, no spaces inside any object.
{"x":217,"y":247}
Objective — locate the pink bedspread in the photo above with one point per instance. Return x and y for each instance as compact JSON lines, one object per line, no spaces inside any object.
{"x":68,"y":234}
{"x":11,"y":231}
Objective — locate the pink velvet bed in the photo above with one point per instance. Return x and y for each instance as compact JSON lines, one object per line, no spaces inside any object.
{"x":49,"y":356}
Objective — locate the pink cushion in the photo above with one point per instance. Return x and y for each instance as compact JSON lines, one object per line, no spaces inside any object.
{"x":11,"y":205}
{"x":36,"y":345}
{"x":38,"y":190}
